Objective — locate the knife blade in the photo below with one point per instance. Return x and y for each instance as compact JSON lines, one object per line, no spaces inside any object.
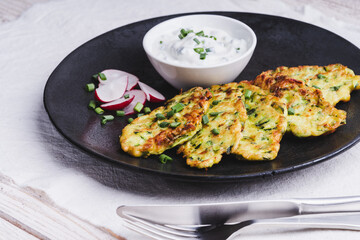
{"x":234,"y":212}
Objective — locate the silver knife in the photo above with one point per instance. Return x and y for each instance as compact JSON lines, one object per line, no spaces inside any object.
{"x":234,"y":212}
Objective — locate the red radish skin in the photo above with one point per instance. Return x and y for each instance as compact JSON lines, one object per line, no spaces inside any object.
{"x":139,"y":97}
{"x":151,"y":94}
{"x":118,"y":104}
{"x":112,"y":74}
{"x":112,"y":90}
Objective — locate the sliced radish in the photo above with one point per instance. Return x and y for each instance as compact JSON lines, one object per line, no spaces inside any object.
{"x":151,"y":94}
{"x":112,"y":90}
{"x":133,"y":81}
{"x":118,"y":104}
{"x":139,"y":97}
{"x":112,"y":74}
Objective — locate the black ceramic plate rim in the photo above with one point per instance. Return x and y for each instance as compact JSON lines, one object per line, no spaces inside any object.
{"x":202,"y":178}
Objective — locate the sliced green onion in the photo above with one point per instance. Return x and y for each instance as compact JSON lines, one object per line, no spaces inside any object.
{"x":159,"y":116}
{"x":178,"y":107}
{"x":180,"y":36}
{"x":92,"y":104}
{"x":138,"y":107}
{"x":126,"y":96}
{"x":207,"y":49}
{"x":320,"y":76}
{"x":247,"y":93}
{"x":205,"y":119}
{"x":183,"y":32}
{"x":140,"y":114}
{"x":106,"y":118}
{"x":161,"y":42}
{"x":202,"y":56}
{"x":147,"y":110}
{"x":95,"y":76}
{"x":291,"y":111}
{"x":120,"y":113}
{"x":199,"y":50}
{"x":213,"y":37}
{"x":164,"y":158}
{"x":216,"y":102}
{"x":314,"y":86}
{"x":238,"y":49}
{"x":90,"y":87}
{"x":99,"y":110}
{"x":335,"y":88}
{"x":213,"y":114}
{"x":263,"y":122}
{"x":102,"y":76}
{"x":164,"y":124}
{"x":174,"y":124}
{"x":201,"y":33}
{"x":170,"y":113}
{"x":250,"y":111}
{"x":130,"y":120}
{"x":215,"y":131}
{"x":197,"y":41}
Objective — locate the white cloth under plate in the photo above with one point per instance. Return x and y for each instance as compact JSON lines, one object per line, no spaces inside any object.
{"x":33,"y":153}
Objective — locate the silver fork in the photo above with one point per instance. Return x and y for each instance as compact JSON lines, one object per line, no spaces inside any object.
{"x":346,"y":221}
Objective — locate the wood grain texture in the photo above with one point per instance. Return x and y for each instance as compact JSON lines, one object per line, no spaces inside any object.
{"x":12,"y":9}
{"x":10,"y":231}
{"x":29,"y":214}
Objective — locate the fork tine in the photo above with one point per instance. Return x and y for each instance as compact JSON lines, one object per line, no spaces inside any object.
{"x":162,"y":230}
{"x":143,"y":232}
{"x":189,"y":228}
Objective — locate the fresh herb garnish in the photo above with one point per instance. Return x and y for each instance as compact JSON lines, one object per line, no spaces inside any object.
{"x":164,"y":158}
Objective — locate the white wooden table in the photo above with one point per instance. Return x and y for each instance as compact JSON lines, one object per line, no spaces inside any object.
{"x":28,"y":213}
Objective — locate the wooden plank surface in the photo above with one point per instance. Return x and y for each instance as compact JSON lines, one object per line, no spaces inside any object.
{"x":29,"y":214}
{"x":11,"y":231}
{"x":12,"y":9}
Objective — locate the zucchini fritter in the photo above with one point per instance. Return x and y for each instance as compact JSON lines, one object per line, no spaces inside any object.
{"x":308,"y":113}
{"x":335,"y":81}
{"x":222,"y":126}
{"x":166,"y":126}
{"x":265,"y":125}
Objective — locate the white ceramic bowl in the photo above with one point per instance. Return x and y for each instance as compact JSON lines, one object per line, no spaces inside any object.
{"x":185,"y":75}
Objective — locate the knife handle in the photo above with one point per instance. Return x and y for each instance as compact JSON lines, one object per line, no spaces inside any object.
{"x":329,"y":205}
{"x":346,"y":221}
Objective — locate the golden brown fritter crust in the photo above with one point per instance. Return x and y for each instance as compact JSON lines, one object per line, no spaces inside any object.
{"x":226,"y":117}
{"x":308,"y":113}
{"x":335,"y":81}
{"x":147,"y":135}
{"x":265,"y":125}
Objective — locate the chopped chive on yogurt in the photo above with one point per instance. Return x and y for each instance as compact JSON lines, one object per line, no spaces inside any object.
{"x":195,"y":46}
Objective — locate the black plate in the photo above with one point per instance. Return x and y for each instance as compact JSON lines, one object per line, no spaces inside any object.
{"x":281,"y":41}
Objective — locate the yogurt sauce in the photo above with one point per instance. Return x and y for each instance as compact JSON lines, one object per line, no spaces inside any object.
{"x":198,"y":47}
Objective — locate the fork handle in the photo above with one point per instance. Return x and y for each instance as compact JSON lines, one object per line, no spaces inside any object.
{"x":329,"y":205}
